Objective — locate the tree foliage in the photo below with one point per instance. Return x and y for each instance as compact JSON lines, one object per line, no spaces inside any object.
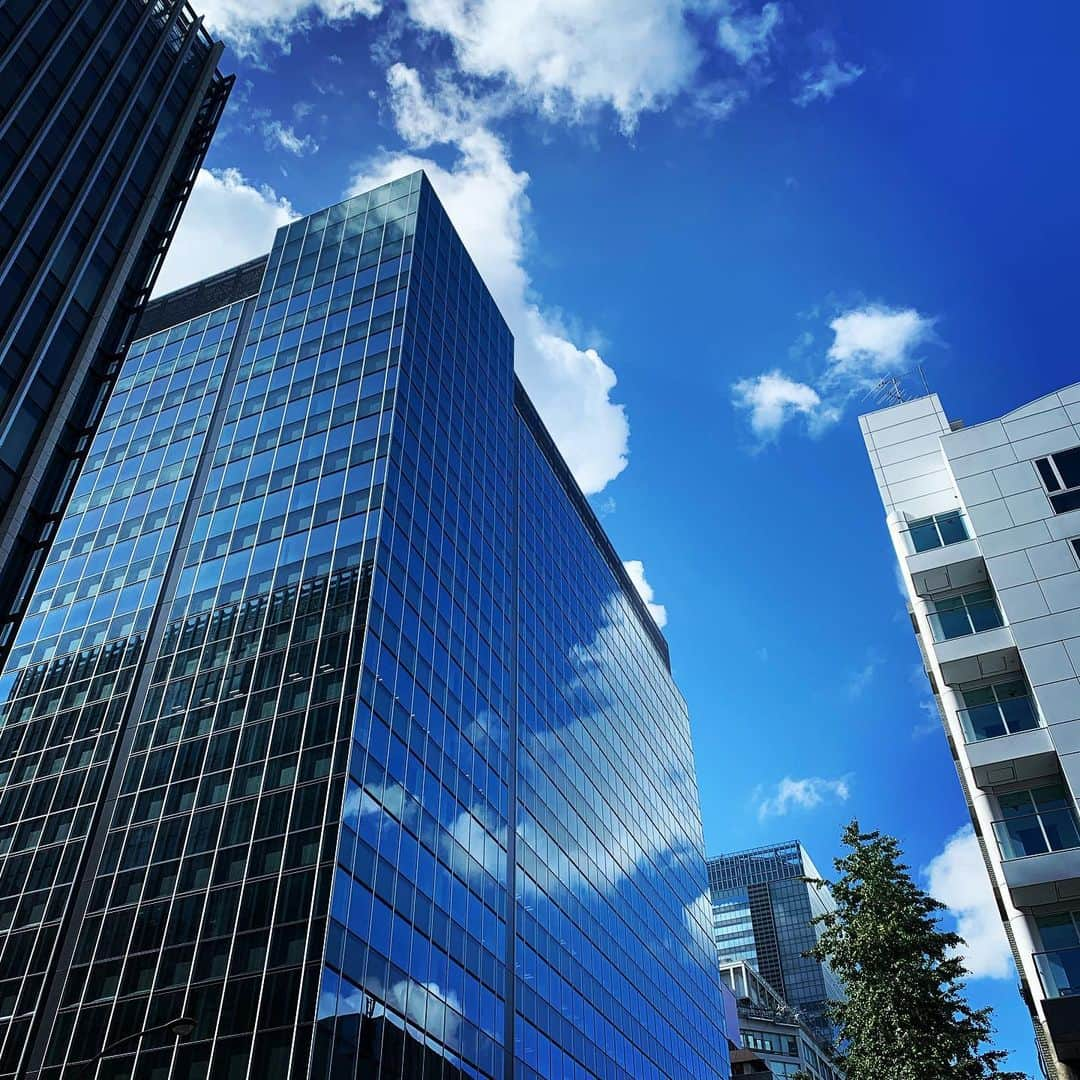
{"x":906,"y":1017}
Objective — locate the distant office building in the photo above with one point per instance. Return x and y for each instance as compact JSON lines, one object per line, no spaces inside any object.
{"x":763,"y":914}
{"x":106,"y":111}
{"x":336,"y":722}
{"x":776,"y":1041}
{"x":985,"y":521}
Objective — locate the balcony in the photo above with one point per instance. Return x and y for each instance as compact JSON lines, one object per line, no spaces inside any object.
{"x":1004,"y":716}
{"x":1022,"y":755}
{"x":1059,"y":973}
{"x":1040,"y":853}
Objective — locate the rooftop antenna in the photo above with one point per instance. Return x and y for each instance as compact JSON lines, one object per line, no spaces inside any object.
{"x":890,"y":391}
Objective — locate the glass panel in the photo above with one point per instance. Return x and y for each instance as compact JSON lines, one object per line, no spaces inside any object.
{"x":1047,"y":474}
{"x":1020,"y":836}
{"x":1061,"y":831}
{"x":983,"y":722}
{"x":950,"y":624}
{"x":1068,"y":465}
{"x":1019,"y":714}
{"x":985,"y":616}
{"x":924,"y":535}
{"x":1069,"y":500}
{"x":1058,"y":931}
{"x":1016,"y":804}
{"x":951,"y":526}
{"x":1060,"y":972}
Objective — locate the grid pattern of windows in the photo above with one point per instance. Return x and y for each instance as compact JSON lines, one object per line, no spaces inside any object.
{"x":608,"y":835}
{"x":780,"y":907}
{"x":66,"y":685}
{"x":106,"y":110}
{"x":373,"y":798}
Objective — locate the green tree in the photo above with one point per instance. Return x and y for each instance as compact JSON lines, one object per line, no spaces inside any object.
{"x":906,"y":1017}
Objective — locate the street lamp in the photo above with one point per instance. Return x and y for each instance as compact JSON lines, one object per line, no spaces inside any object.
{"x":181,"y":1028}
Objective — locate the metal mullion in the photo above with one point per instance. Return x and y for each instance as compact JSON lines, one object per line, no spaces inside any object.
{"x":76,"y":208}
{"x":77,"y":137}
{"x":21,"y":35}
{"x":65,"y":91}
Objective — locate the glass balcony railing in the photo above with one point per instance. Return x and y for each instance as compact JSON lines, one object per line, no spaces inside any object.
{"x":962,"y":619}
{"x":1036,"y":834}
{"x":1059,"y":971}
{"x":996,"y":718}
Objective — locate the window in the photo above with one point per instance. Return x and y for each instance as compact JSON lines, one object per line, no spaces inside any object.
{"x":1036,"y":821}
{"x":936,"y":531}
{"x":1076,"y":546}
{"x":969,"y":613}
{"x":1002,"y":708}
{"x":1061,"y":477}
{"x":1059,"y":966}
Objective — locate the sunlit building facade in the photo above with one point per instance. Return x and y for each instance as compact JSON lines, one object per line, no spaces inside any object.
{"x":763,"y":910}
{"x":985,"y":523}
{"x":335,"y":722}
{"x":107,"y":108}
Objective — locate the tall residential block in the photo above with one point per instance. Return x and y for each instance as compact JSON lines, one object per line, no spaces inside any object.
{"x":106,"y":111}
{"x":985,"y":521}
{"x":335,"y":722}
{"x":763,"y":912}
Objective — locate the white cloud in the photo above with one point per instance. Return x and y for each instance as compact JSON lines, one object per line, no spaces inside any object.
{"x":486,"y":199}
{"x":874,"y":340}
{"x":282,"y":136}
{"x":804,"y":794}
{"x":869,"y":342}
{"x":249,"y":25}
{"x":823,"y":82}
{"x":958,"y":878}
{"x":748,"y":36}
{"x":772,"y":400}
{"x":227,"y":221}
{"x":568,"y":56}
{"x":636,"y":569}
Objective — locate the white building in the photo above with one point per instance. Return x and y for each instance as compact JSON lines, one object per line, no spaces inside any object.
{"x":986,"y":525}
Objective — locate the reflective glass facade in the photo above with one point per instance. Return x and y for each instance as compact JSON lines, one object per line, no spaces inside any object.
{"x":763,"y":914}
{"x":326,"y":725}
{"x":106,"y":111}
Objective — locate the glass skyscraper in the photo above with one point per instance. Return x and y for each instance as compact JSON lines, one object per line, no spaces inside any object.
{"x":335,"y":721}
{"x":106,"y":111}
{"x":763,"y":910}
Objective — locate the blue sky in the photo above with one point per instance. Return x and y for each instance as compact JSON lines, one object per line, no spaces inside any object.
{"x":712,"y":226}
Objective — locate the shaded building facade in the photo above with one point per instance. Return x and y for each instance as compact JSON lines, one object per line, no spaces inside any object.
{"x":106,"y":112}
{"x":763,"y":914}
{"x":335,"y":721}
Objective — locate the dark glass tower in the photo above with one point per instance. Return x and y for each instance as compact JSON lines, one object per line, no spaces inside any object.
{"x":335,"y":721}
{"x":106,"y":111}
{"x":763,"y":914}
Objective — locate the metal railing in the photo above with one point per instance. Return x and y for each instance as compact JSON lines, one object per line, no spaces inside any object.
{"x":1059,"y":972}
{"x":1037,"y":833}
{"x":1006,"y":716}
{"x":964,"y":619}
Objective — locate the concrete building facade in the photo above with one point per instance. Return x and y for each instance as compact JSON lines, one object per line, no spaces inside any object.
{"x":985,"y":521}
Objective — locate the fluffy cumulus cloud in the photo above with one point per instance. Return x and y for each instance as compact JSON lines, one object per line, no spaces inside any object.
{"x":869,"y":343}
{"x":772,"y":400}
{"x":568,"y":56}
{"x":250,"y":25}
{"x":487,"y":200}
{"x":802,"y":794}
{"x":958,"y":878}
{"x":636,"y":569}
{"x":227,"y":221}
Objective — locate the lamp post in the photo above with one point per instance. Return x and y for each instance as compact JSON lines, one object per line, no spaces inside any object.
{"x":181,"y":1027}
